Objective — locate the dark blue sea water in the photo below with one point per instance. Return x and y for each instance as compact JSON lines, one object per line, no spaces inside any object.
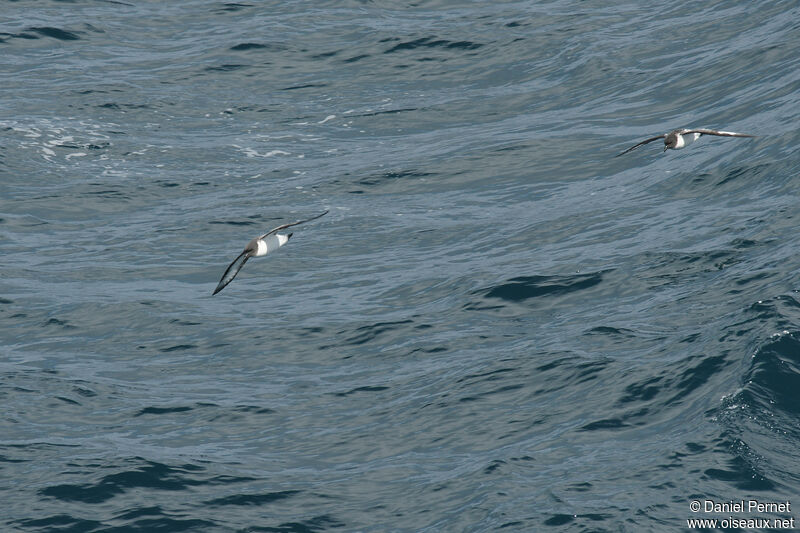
{"x":498,"y":326}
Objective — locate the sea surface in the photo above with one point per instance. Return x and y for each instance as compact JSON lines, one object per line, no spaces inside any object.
{"x":499,"y":325}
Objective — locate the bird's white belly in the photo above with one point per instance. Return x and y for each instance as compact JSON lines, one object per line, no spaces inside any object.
{"x":270,"y":244}
{"x":686,"y":139}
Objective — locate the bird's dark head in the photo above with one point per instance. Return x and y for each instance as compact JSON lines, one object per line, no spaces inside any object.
{"x":289,"y":236}
{"x":670,"y":141}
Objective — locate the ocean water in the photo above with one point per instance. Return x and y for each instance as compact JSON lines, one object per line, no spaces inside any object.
{"x":498,"y":326}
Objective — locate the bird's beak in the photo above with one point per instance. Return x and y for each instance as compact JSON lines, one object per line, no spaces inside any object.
{"x":665,"y":148}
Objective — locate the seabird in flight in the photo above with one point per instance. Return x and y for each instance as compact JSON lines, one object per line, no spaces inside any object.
{"x":679,"y":138}
{"x":258,"y":247}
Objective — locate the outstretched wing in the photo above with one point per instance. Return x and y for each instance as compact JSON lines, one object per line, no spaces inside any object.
{"x":720,"y":133}
{"x":270,"y":232}
{"x":232,"y":270}
{"x":651,"y":139}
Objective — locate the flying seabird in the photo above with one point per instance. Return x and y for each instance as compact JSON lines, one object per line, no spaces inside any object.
{"x":679,"y":138}
{"x":259,"y":247}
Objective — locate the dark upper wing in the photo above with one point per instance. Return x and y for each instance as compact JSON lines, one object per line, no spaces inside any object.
{"x":232,"y":270}
{"x":720,"y":133}
{"x":270,"y":232}
{"x":651,"y":139}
